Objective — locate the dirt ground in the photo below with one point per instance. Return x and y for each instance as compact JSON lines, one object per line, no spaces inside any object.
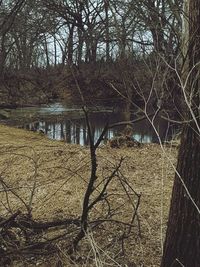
{"x":50,"y":178}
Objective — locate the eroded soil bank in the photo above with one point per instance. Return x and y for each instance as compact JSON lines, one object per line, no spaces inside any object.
{"x":51,"y":178}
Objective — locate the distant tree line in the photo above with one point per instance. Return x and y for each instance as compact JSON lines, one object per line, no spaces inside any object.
{"x":112,"y":43}
{"x":44,"y":33}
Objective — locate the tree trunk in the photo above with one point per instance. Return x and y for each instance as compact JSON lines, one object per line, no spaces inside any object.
{"x":55,"y":51}
{"x":70,"y":44}
{"x":182,"y":243}
{"x":3,"y":53}
{"x":93,"y":51}
{"x":106,"y":6}
{"x":46,"y":52}
{"x":80,"y":47}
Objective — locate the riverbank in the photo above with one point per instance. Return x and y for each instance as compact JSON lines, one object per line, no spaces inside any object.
{"x":51,"y":177}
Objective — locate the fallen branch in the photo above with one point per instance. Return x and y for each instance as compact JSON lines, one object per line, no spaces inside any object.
{"x":10,"y":220}
{"x":26,"y":222}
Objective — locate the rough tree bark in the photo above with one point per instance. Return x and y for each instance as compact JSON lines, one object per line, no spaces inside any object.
{"x":182,"y":243}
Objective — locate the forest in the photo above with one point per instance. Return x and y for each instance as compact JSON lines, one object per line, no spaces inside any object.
{"x":114,"y":50}
{"x":119,"y":185}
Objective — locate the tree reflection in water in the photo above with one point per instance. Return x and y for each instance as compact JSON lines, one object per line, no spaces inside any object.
{"x":74,"y":131}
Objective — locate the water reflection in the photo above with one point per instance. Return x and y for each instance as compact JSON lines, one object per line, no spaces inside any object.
{"x":75,"y":131}
{"x":72,"y":130}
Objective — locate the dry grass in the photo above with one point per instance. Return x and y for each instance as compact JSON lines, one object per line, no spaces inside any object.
{"x":50,"y":177}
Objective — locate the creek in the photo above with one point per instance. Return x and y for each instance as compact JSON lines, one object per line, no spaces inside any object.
{"x":64,"y":122}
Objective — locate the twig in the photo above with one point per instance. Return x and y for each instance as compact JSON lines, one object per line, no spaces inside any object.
{"x":10,"y":219}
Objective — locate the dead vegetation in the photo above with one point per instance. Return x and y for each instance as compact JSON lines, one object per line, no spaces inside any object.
{"x":43,"y":185}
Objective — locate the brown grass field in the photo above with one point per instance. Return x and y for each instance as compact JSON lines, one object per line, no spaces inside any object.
{"x":50,"y":177}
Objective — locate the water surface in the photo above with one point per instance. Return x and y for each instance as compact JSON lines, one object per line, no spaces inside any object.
{"x":67,"y":123}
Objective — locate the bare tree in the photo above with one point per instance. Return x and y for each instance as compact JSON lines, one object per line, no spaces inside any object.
{"x":7,"y":17}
